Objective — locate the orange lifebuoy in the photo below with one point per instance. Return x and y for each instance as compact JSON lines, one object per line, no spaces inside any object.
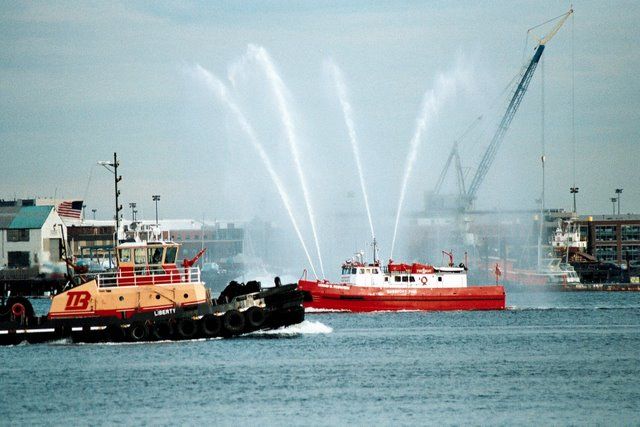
{"x":18,"y":310}
{"x":423,"y":279}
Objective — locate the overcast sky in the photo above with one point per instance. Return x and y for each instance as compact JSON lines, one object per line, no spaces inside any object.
{"x":80,"y":80}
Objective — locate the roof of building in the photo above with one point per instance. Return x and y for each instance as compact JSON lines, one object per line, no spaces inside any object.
{"x":608,"y":217}
{"x":7,"y":214}
{"x":32,"y":217}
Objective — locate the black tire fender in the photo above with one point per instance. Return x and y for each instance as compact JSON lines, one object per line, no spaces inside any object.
{"x":187,"y":328}
{"x":138,"y":331}
{"x":233,"y":322}
{"x":162,"y":330}
{"x":255,"y":317}
{"x":210,"y":325}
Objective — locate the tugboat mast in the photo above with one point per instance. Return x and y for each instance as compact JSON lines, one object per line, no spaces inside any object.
{"x":108,"y":165}
{"x":117,"y":193}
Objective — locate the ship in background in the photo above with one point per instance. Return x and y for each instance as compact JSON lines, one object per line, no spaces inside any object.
{"x":603,"y":251}
{"x":552,"y":268}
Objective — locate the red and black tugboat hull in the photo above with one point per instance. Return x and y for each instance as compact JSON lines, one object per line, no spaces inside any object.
{"x":246,"y":312}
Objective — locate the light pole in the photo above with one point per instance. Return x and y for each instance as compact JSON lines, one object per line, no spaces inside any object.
{"x":94,"y":213}
{"x":108,"y":166}
{"x":84,"y":206}
{"x":135,"y":211}
{"x":613,"y":201}
{"x":619,"y":193}
{"x":132,"y":205}
{"x":156,"y":198}
{"x":574,"y":191}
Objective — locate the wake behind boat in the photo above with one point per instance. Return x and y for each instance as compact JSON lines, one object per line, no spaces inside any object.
{"x":367,"y":287}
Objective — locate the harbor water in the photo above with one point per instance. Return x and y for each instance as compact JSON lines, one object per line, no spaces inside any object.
{"x":552,"y":358}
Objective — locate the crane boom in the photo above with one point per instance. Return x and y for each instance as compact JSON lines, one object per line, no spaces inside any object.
{"x":490,"y":154}
{"x":521,"y":89}
{"x":454,"y":155}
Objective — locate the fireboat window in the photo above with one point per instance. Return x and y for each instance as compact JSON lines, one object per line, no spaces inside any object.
{"x":412,"y":279}
{"x":125,"y":255}
{"x":170,"y":255}
{"x":397,"y":278}
{"x":353,"y":271}
{"x":361,"y":271}
{"x":405,"y":278}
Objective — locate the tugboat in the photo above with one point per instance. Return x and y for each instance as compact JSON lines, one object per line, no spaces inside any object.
{"x":150,"y":297}
{"x":365,"y":287}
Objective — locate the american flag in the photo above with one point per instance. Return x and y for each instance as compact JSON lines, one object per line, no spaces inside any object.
{"x":70,"y":209}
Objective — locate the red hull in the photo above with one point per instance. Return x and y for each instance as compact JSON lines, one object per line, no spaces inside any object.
{"x":329,"y":296}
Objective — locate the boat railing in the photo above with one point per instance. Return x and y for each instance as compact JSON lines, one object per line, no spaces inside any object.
{"x":148,"y":276}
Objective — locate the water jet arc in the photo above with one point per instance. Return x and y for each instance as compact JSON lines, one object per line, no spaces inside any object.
{"x":220,"y":90}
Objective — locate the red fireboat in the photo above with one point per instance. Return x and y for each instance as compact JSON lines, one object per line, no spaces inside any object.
{"x":365,"y":287}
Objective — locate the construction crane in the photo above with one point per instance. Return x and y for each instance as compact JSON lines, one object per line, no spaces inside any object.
{"x":454,"y":155}
{"x":518,"y":94}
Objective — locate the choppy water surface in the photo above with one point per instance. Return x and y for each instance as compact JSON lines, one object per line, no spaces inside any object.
{"x":553,"y":358}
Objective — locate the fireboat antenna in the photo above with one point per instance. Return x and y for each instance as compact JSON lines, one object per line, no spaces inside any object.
{"x":375,"y":250}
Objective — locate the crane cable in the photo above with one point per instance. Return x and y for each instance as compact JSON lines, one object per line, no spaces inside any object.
{"x":573,"y":100}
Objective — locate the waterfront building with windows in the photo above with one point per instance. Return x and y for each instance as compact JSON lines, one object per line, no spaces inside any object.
{"x":612,"y":238}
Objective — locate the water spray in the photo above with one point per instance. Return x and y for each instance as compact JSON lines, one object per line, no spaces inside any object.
{"x":348,"y":119}
{"x":260,"y":55}
{"x":220,"y":90}
{"x":432,"y":101}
